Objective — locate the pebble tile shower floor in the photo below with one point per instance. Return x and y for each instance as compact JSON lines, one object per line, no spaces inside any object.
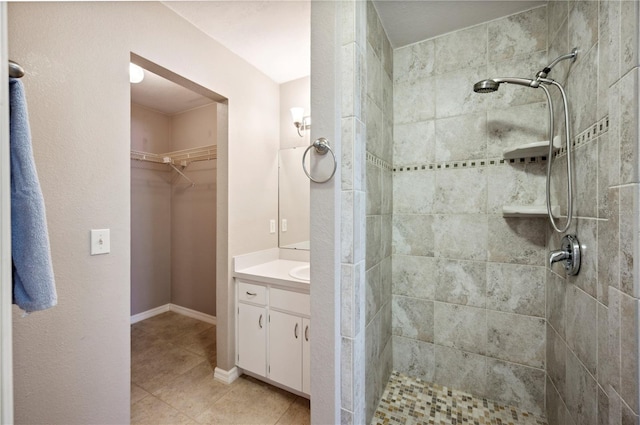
{"x":412,"y":401}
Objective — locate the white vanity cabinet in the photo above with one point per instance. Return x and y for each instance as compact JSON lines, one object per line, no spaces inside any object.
{"x":278,"y":347}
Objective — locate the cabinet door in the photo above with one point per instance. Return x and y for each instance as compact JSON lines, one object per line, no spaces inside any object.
{"x":306,"y":356}
{"x":285,"y":349}
{"x":252,"y":338}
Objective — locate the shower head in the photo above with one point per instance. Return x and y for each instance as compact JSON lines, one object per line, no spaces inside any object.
{"x":492,"y":84}
{"x":486,"y":86}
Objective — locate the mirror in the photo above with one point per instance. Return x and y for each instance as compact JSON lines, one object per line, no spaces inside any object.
{"x":293,"y":199}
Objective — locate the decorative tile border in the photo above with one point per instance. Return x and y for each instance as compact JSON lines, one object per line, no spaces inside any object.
{"x":470,"y":163}
{"x":591,"y":133}
{"x":378,"y":162}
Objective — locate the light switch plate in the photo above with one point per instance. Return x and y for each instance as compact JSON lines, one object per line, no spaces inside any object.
{"x":100,"y":241}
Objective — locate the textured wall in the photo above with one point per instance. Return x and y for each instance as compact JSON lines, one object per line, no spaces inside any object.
{"x":71,"y":363}
{"x":468,"y":284}
{"x":592,"y":329}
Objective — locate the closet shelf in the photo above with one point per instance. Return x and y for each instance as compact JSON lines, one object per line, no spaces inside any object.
{"x":533,"y":149}
{"x":182,"y":157}
{"x":530,"y":211}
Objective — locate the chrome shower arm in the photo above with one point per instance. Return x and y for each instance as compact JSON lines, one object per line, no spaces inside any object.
{"x":547,"y":69}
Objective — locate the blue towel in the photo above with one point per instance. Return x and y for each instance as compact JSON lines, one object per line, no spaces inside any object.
{"x":33,"y":283}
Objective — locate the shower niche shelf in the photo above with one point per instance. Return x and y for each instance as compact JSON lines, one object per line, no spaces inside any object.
{"x":529,"y":211}
{"x":529,"y":150}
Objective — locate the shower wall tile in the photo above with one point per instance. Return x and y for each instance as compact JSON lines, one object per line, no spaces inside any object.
{"x":352,"y":283}
{"x":374,"y":76}
{"x":516,"y":338}
{"x":414,"y":62}
{"x":586,"y":180}
{"x":460,"y":191}
{"x":414,"y":192}
{"x":582,"y":85}
{"x":372,"y":349}
{"x":352,"y":164}
{"x":558,"y":46}
{"x":387,"y":192}
{"x":587,"y":279}
{"x":374,"y":189}
{"x":461,"y":370}
{"x":374,"y":240}
{"x":453,"y":93}
{"x":414,"y":358}
{"x":346,"y":369}
{"x":556,"y":358}
{"x":558,"y":11}
{"x":608,"y":173}
{"x":516,"y":240}
{"x":466,"y":48}
{"x":583,"y":25}
{"x":515,"y":184}
{"x":461,"y":327}
{"x":517,"y":385}
{"x":556,"y":301}
{"x":603,"y":372}
{"x":373,"y":292}
{"x":629,"y":36}
{"x":461,"y":138}
{"x":386,"y":272}
{"x":524,"y":66}
{"x":518,"y":34}
{"x":375,"y":31}
{"x":462,"y":237}
{"x":515,"y":126}
{"x":629,"y":351}
{"x":516,"y":289}
{"x":413,"y":102}
{"x":414,"y":143}
{"x":556,"y":411}
{"x":353,"y":80}
{"x":603,"y":407}
{"x":582,"y":396}
{"x":608,"y":250}
{"x":414,"y":276}
{"x":413,"y":318}
{"x":614,"y":41}
{"x":386,"y":237}
{"x":387,"y":56}
{"x":413,"y":235}
{"x":628,"y":126}
{"x":581,"y":326}
{"x":461,"y":282}
{"x":615,"y":313}
{"x":374,"y":121}
{"x":628,"y":239}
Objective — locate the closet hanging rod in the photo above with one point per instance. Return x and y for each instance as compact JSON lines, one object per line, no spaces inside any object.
{"x":15,"y":70}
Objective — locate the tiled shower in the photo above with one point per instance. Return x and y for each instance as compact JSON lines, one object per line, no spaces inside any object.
{"x":455,"y":293}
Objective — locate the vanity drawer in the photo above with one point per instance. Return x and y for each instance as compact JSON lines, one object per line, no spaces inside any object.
{"x":294,"y":302}
{"x":252,"y":293}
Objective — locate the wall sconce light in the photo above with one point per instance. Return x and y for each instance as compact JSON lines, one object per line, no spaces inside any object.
{"x":136,"y":73}
{"x":299,"y":120}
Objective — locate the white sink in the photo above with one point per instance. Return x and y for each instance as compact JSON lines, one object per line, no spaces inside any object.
{"x":301,"y":272}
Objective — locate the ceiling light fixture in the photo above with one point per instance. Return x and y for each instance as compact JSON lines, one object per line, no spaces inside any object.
{"x":136,"y":73}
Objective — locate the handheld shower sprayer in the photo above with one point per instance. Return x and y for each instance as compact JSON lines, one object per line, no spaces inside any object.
{"x":541,"y":80}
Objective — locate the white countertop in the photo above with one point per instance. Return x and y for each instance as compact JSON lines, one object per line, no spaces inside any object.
{"x":275,"y":272}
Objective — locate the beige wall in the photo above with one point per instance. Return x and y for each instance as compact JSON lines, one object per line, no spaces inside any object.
{"x":72,"y":362}
{"x":150,"y":212}
{"x":193,"y":215}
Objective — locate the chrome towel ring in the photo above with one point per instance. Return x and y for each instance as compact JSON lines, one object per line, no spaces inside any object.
{"x":321,"y":146}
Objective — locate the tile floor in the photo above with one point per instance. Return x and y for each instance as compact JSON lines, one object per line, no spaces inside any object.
{"x":408,"y":400}
{"x":172,"y":363}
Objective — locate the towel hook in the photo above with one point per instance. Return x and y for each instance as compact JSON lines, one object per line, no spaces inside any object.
{"x":15,"y":70}
{"x":321,"y":146}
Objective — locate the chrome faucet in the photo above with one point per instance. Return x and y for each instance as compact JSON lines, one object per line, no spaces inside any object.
{"x":569,"y":253}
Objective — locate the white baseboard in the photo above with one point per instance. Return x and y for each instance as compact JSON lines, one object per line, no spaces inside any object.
{"x":175,"y":308}
{"x":226,"y":376}
{"x":193,"y":314}
{"x":150,"y":313}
